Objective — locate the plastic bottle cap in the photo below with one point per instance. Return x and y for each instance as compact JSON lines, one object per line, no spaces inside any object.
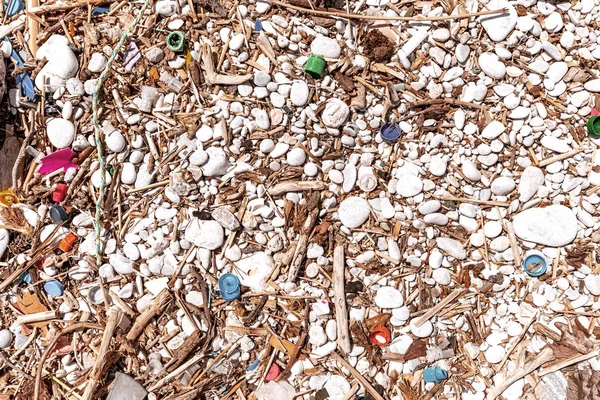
{"x":67,"y":243}
{"x":258,"y":25}
{"x":54,"y":288}
{"x":59,"y":193}
{"x":8,"y":198}
{"x":593,"y":126}
{"x":273,"y":373}
{"x":315,"y":66}
{"x":25,"y":277}
{"x":535,"y":264}
{"x":380,"y":335}
{"x":58,"y":214}
{"x":176,"y":41}
{"x":434,"y":374}
{"x":367,"y":183}
{"x":229,"y":285}
{"x":390,"y":131}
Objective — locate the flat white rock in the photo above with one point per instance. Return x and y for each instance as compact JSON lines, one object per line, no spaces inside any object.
{"x":592,"y":284}
{"x":335,"y":113}
{"x":491,"y":65}
{"x":555,"y":144}
{"x":255,"y":270}
{"x":353,"y":212}
{"x":299,"y":93}
{"x":325,"y":47}
{"x":493,"y":130}
{"x":409,"y":186}
{"x":592,"y":85}
{"x":389,"y":297}
{"x":61,"y":132}
{"x":206,"y":234}
{"x":503,"y":185}
{"x":452,"y":247}
{"x":553,"y":226}
{"x":499,"y":26}
{"x":531,"y":180}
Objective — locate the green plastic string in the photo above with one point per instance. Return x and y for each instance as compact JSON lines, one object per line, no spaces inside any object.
{"x":98,"y":134}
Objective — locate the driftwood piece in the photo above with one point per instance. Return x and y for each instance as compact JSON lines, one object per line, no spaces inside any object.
{"x":363,"y":381}
{"x":295,"y":186}
{"x":542,"y":358}
{"x":213,"y":78}
{"x":341,"y":311}
{"x":101,"y":364}
{"x":300,"y":252}
{"x":161,"y":302}
{"x":8,"y":156}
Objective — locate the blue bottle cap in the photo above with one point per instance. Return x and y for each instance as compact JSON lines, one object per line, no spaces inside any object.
{"x":229,"y":285}
{"x":25,"y":277}
{"x":434,"y":374}
{"x":58,"y":214}
{"x":535,"y":264}
{"x":390,"y":131}
{"x":53,"y":288}
{"x":16,"y":6}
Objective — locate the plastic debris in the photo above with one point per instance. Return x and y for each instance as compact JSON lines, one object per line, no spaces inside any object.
{"x":434,"y":374}
{"x":535,"y":263}
{"x":315,"y":66}
{"x":59,"y":160}
{"x":229,"y":285}
{"x":176,"y":41}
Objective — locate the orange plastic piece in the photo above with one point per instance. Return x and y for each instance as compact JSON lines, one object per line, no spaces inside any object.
{"x":67,"y":243}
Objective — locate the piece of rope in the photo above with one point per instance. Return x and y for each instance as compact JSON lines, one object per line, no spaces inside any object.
{"x":98,"y":131}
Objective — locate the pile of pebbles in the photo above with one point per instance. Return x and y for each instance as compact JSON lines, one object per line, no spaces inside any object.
{"x":227,"y":158}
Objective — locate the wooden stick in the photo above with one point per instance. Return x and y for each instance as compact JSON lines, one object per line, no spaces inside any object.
{"x":567,"y":362}
{"x":40,"y":364}
{"x":516,"y":342}
{"x":302,"y":245}
{"x":363,"y":381}
{"x":59,"y":7}
{"x":438,"y":307}
{"x":295,"y":186}
{"x":385,"y":17}
{"x":542,"y":358}
{"x":114,"y":315}
{"x":37,"y":317}
{"x":341,"y":311}
{"x":510,"y":230}
{"x":151,"y":186}
{"x":474,"y":201}
{"x":560,"y":157}
{"x":159,"y":304}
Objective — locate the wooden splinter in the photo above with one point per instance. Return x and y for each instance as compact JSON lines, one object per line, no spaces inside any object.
{"x":545,"y":355}
{"x":160,"y":303}
{"x":341,"y":311}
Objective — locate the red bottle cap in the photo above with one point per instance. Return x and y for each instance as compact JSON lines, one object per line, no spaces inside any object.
{"x":67,"y":243}
{"x":595,"y":112}
{"x":59,"y":193}
{"x":273,"y":373}
{"x":380,"y":336}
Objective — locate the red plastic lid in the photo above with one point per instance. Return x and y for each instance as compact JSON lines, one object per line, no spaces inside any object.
{"x":59,"y":193}
{"x":273,"y":373}
{"x":595,"y":112}
{"x":380,"y":336}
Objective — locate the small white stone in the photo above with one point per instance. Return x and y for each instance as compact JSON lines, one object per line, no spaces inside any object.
{"x":325,"y":47}
{"x":299,"y":93}
{"x":409,"y":186}
{"x":499,"y":26}
{"x":296,"y":157}
{"x":531,"y":180}
{"x":422,"y":331}
{"x":128,"y":173}
{"x":206,"y":234}
{"x":236,"y":42}
{"x":353,"y":212}
{"x":470,"y":171}
{"x":452,"y":247}
{"x":97,"y":62}
{"x":503,"y":186}
{"x":494,"y":354}
{"x":61,"y":132}
{"x":6,"y":337}
{"x":335,"y":113}
{"x":592,"y":85}
{"x":437,"y":166}
{"x":121,"y":264}
{"x":493,"y":130}
{"x":441,"y":276}
{"x":592,"y":284}
{"x":554,"y":226}
{"x":389,"y":297}
{"x":491,"y":65}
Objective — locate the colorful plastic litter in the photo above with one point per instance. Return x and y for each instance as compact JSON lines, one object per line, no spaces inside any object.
{"x":434,"y":374}
{"x":315,"y":66}
{"x":60,"y":192}
{"x":535,"y":263}
{"x":390,"y":132}
{"x":23,"y":80}
{"x":8,"y":198}
{"x":380,"y":336}
{"x":13,"y":7}
{"x":58,"y":160}
{"x":593,"y":126}
{"x":273,"y":373}
{"x":176,"y":41}
{"x":229,"y":285}
{"x":131,"y":56}
{"x":54,"y":288}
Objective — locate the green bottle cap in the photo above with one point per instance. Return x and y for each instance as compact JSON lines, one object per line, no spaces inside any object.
{"x":315,"y":66}
{"x":593,"y":125}
{"x":176,"y":41}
